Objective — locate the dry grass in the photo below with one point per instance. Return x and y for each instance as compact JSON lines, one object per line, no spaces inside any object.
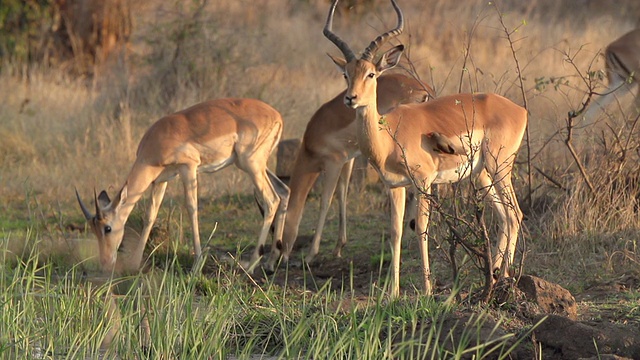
{"x":59,"y":132}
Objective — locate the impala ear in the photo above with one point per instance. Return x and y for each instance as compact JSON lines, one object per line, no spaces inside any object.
{"x":340,"y":62}
{"x":390,"y":59}
{"x":121,"y":198}
{"x":103,"y":200}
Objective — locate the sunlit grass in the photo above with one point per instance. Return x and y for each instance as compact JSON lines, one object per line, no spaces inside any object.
{"x":54,"y":313}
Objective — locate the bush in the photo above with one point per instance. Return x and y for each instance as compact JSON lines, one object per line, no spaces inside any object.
{"x":76,"y":35}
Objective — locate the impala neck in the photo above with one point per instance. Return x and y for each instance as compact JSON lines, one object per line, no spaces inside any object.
{"x":130,"y":255}
{"x":132,"y":247}
{"x":135,"y":189}
{"x":372,"y":137}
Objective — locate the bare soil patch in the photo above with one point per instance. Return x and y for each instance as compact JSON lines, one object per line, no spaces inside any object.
{"x":601,"y":322}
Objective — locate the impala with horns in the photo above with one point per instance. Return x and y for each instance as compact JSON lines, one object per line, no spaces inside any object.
{"x":622,"y":63}
{"x":329,"y":146}
{"x":206,"y":137}
{"x":485,"y":129}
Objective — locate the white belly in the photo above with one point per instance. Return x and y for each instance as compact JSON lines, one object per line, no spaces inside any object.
{"x":462,"y":171}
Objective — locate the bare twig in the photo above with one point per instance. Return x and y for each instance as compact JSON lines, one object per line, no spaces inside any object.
{"x":525,"y":104}
{"x":572,"y":115}
{"x":557,"y":183}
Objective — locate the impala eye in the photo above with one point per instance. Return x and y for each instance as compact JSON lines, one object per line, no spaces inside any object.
{"x":371,"y":75}
{"x":344,"y":75}
{"x":107,"y":229}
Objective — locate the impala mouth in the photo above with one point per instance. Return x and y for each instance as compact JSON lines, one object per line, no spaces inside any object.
{"x":108,"y":263}
{"x":351,"y":103}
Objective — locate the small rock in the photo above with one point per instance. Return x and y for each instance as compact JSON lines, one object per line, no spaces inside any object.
{"x":551,"y":298}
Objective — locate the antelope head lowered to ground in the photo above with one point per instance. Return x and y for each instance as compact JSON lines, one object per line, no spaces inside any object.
{"x":206,"y":137}
{"x":203,"y":138}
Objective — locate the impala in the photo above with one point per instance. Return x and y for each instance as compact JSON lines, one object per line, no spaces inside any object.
{"x":622,"y":63}
{"x":486,"y":127}
{"x":206,"y":137}
{"x":329,"y":146}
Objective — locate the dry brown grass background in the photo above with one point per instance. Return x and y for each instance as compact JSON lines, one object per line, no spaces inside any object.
{"x":59,"y":132}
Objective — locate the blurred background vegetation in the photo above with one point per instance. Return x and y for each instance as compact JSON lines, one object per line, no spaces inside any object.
{"x":82,"y":80}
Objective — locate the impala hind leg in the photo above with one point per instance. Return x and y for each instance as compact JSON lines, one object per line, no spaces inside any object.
{"x":283,"y":192}
{"x":331,"y":176}
{"x":269,"y":202}
{"x":508,"y":241}
{"x":501,"y":195}
{"x":422,"y":214}
{"x":189,"y":178}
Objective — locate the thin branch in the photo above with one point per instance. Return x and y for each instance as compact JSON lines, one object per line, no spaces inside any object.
{"x":525,"y":103}
{"x":570,"y":124}
{"x":557,"y":183}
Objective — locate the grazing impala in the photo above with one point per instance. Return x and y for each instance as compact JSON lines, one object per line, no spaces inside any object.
{"x":203,"y":138}
{"x":399,"y":145}
{"x":329,"y":145}
{"x":622,"y":62}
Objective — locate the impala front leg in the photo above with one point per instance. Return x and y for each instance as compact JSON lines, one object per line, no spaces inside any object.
{"x":145,"y":329}
{"x":113,"y":319}
{"x":157,"y":194}
{"x":397,"y":197}
{"x":343,"y":190}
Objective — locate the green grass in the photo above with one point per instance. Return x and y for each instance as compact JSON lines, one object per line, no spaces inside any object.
{"x":51,"y":313}
{"x":227,"y":313}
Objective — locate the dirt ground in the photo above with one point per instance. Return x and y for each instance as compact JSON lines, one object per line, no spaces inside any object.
{"x":606,"y":325}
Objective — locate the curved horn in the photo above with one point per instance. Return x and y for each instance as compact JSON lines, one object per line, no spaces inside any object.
{"x":346,"y":51}
{"x":370,"y":51}
{"x":98,"y":211}
{"x":85,"y":211}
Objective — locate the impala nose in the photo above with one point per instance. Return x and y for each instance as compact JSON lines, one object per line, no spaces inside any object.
{"x":350,"y":100}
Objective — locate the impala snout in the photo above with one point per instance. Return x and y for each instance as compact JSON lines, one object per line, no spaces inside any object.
{"x":351,"y":101}
{"x":108,"y":245}
{"x":108,"y":261}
